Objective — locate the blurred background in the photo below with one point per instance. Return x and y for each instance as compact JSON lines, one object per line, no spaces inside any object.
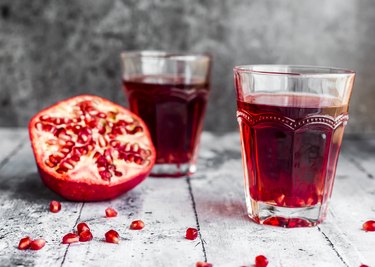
{"x":50,"y":49}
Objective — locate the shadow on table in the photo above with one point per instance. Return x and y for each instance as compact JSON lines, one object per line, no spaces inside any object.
{"x":28,"y":187}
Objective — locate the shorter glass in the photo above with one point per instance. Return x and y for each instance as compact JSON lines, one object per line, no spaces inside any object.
{"x":169,"y":91}
{"x":291,"y":121}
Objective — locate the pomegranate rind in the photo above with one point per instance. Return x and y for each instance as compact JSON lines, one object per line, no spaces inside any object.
{"x":87,"y":188}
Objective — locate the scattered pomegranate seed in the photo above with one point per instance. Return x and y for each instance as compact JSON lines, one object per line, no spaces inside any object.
{"x":112,"y":237}
{"x":109,"y":212}
{"x":261,"y":261}
{"x":85,"y":236}
{"x":54,"y":206}
{"x":191,"y":233}
{"x":203,"y":264}
{"x":137,"y":225}
{"x":70,"y":238}
{"x":369,"y":226}
{"x":82,"y":227}
{"x":363,"y":265}
{"x":24,"y":243}
{"x":37,"y":244}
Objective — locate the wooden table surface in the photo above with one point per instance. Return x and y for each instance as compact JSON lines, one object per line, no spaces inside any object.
{"x":211,"y":200}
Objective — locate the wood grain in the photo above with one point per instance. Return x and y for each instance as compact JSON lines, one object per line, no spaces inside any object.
{"x":211,"y":200}
{"x":231,"y":238}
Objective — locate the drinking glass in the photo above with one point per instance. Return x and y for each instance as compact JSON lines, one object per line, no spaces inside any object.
{"x":291,"y":121}
{"x":169,"y":92}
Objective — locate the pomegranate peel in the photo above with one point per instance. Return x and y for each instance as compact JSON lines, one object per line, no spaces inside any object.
{"x":90,"y":149}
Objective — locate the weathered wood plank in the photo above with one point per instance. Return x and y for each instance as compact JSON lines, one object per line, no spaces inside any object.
{"x":231,"y":238}
{"x":163,"y":204}
{"x":353,"y":202}
{"x":166,"y":209}
{"x":361,"y":153}
{"x":24,"y":210}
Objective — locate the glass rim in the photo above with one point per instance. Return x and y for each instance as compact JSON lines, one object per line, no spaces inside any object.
{"x":308,"y":70}
{"x":168,"y":55}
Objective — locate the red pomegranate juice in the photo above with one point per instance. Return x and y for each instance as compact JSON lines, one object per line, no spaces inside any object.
{"x":290,"y":146}
{"x":173,"y":109}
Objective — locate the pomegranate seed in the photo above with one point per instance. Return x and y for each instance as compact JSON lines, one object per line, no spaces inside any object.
{"x":24,"y":243}
{"x":261,"y":261}
{"x":114,"y":143}
{"x":106,"y":176}
{"x":101,"y":141}
{"x":67,"y":165}
{"x":102,"y":115}
{"x":137,"y":225}
{"x":61,"y":170}
{"x":280,"y":200}
{"x":69,"y":143}
{"x":109,"y":212}
{"x":82,"y":227}
{"x":54,"y":159}
{"x":44,"y":118}
{"x":112,"y":237}
{"x":85,"y":236}
{"x":66,"y":150}
{"x":54,"y":206}
{"x":135,"y":147}
{"x":49,"y":163}
{"x":37,"y":244}
{"x":203,"y":264}
{"x":138,"y":160}
{"x":369,"y":226}
{"x":75,"y":158}
{"x":70,"y":238}
{"x":118,"y":174}
{"x":191,"y":233}
{"x":363,"y":265}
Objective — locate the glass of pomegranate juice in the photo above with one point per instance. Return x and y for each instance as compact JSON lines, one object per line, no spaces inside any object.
{"x":291,"y":121}
{"x":169,"y":92}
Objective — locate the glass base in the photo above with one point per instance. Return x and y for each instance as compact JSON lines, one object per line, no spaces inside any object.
{"x":173,"y":170}
{"x":264,"y":213}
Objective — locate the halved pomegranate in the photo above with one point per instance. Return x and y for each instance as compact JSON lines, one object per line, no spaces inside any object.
{"x":90,"y":149}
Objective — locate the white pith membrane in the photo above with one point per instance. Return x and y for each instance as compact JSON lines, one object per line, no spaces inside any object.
{"x":46,"y":143}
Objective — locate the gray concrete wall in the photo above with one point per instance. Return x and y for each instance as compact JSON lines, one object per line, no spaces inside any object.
{"x":52,"y":49}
